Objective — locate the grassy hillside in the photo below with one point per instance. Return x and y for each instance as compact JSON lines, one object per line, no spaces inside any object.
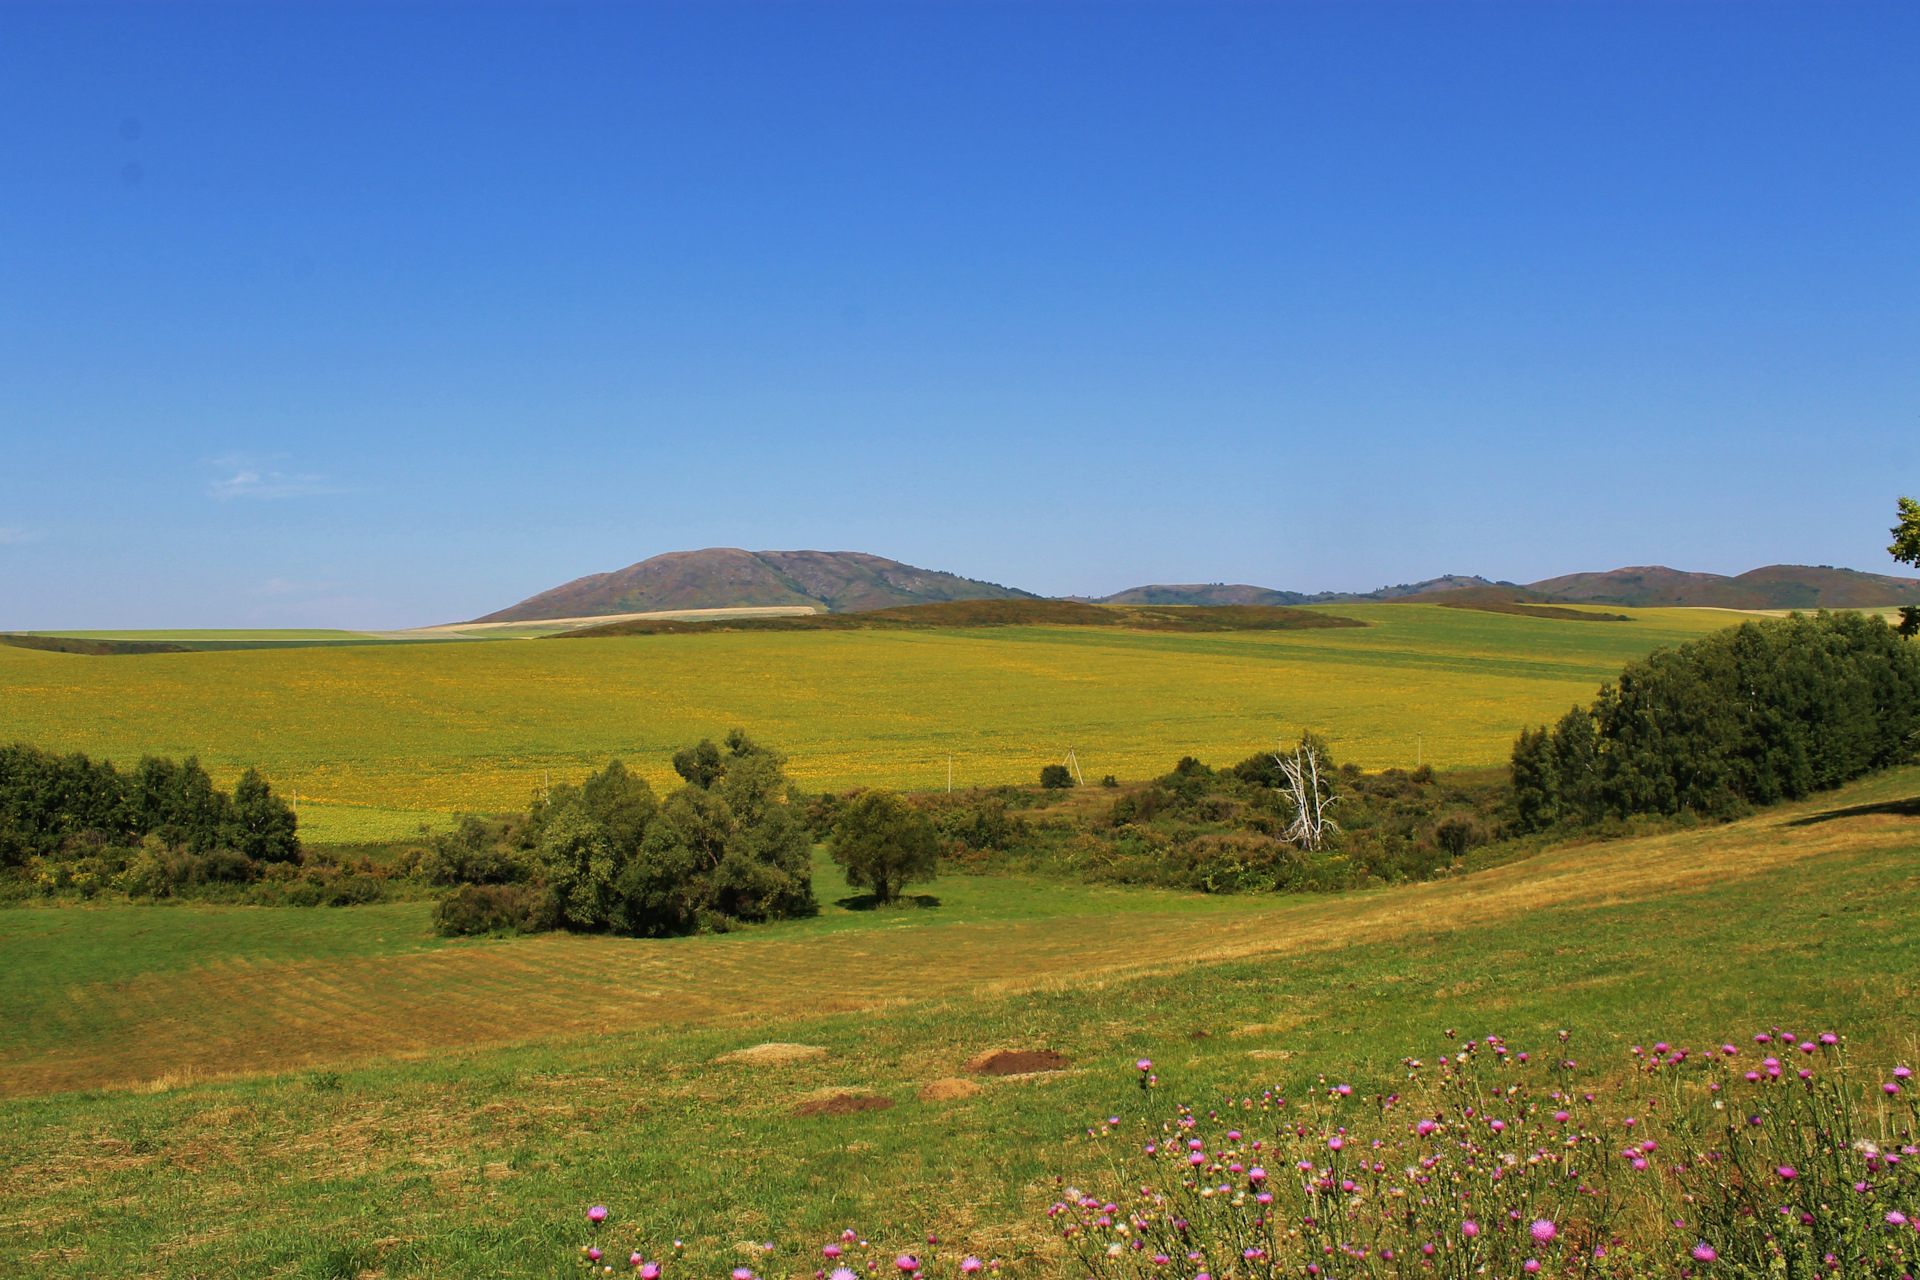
{"x":487,"y":1091}
{"x":375,"y":739}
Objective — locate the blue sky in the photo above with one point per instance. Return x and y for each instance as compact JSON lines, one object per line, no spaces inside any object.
{"x":388,"y":315}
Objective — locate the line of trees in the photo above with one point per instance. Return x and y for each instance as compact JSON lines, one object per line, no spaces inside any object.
{"x":1767,"y":711}
{"x":50,"y":801}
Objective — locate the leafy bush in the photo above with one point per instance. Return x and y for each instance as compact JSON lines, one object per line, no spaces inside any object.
{"x":493,"y":908}
{"x":1764,"y":712}
{"x":1056,"y":777}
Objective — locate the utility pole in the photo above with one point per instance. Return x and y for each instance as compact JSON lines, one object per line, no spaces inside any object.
{"x":1417,"y":753}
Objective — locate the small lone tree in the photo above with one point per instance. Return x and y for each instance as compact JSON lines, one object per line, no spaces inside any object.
{"x":1056,"y":777}
{"x":884,"y":844}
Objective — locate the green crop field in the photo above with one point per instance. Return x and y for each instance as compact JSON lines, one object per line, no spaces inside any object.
{"x":377,"y":739}
{"x":335,"y":1093}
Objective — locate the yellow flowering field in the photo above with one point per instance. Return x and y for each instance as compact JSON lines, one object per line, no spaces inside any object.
{"x":376,"y":739}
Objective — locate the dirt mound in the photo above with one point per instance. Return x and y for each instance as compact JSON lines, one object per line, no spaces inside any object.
{"x":1017,"y":1062}
{"x":773,"y":1055}
{"x":947,"y":1090}
{"x":842,"y":1104}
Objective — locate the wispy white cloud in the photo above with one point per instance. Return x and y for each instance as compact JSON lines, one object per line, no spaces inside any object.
{"x":241,"y":476}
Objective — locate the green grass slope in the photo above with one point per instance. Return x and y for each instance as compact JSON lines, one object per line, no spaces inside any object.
{"x":478,"y":1156}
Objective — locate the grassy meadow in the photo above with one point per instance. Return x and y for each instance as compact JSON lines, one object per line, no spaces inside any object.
{"x":377,"y":739}
{"x":210,"y":1092}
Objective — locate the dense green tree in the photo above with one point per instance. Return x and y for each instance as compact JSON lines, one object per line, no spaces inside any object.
{"x":577,"y":860}
{"x":1056,"y":777}
{"x":1758,"y":713}
{"x":699,"y":764}
{"x":262,"y":823}
{"x":620,"y":801}
{"x":885,"y":844}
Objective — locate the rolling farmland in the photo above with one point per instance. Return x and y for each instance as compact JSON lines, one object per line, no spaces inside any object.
{"x":377,"y":739}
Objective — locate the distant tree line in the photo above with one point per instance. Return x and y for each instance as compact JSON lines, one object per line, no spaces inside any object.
{"x":1767,"y":711}
{"x":50,"y":802}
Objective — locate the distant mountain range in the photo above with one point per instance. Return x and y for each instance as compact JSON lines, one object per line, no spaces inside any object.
{"x":853,"y":581}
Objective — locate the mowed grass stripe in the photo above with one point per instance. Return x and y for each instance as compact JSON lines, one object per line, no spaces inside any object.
{"x":460,"y":726}
{"x":251,"y":1015}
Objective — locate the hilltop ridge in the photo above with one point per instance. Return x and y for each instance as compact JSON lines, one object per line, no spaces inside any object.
{"x":727,"y":577}
{"x":857,"y":582}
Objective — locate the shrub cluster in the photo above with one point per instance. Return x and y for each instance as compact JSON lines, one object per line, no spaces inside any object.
{"x":1213,"y":830}
{"x":1763,"y":712}
{"x":607,"y":856}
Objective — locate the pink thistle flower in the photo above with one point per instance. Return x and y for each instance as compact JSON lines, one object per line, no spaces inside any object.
{"x":907,"y":1262}
{"x":597,"y":1214}
{"x":1562,"y":1116}
{"x":970,"y":1265}
{"x":831,"y":1251}
{"x":1895,"y":1218}
{"x":1469,"y":1228}
{"x":1902,"y":1072}
{"x":649,"y":1271}
{"x":742,"y":1273}
{"x":1256,"y":1174}
{"x":1787,"y":1172}
{"x":1704,"y":1252}
{"x":1530,"y":1266}
{"x":1890,"y":1088}
{"x":842,"y":1273}
{"x":1829,"y":1039}
{"x":1144,"y":1064}
{"x":1543,"y":1230}
{"x":594,"y":1254}
{"x":1335,"y":1143}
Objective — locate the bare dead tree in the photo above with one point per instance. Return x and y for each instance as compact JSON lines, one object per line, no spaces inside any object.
{"x":1313,"y":795}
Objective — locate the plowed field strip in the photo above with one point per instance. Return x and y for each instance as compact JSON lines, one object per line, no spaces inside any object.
{"x":242,"y":1017}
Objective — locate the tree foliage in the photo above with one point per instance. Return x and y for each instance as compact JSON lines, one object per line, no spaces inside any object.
{"x":1763,"y":712}
{"x":885,"y":844}
{"x":1906,"y":534}
{"x":47,"y":800}
{"x":725,"y":847}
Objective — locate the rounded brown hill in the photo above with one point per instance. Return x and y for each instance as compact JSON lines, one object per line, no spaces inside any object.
{"x":1017,"y":1062}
